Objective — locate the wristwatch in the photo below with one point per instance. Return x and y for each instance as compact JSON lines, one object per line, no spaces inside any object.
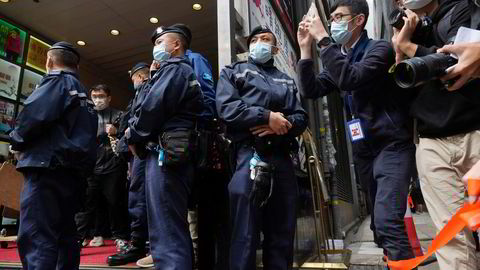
{"x":324,"y":42}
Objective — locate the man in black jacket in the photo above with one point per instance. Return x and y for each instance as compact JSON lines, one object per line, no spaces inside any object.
{"x":383,"y":148}
{"x":110,"y":175}
{"x":448,"y":125}
{"x":259,"y":106}
{"x":54,"y":141}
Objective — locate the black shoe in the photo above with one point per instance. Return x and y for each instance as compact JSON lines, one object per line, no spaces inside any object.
{"x":130,"y":254}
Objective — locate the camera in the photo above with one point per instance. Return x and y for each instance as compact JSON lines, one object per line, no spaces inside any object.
{"x":424,"y":26}
{"x":418,"y":70}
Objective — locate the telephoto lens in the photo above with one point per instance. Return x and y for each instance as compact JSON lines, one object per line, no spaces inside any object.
{"x":418,"y":70}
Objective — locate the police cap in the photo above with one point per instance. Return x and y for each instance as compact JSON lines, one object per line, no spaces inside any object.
{"x":137,"y":67}
{"x":259,"y":30}
{"x":63,"y":45}
{"x":160,"y":31}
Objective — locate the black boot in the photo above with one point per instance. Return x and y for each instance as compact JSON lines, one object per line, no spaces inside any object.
{"x":133,"y":253}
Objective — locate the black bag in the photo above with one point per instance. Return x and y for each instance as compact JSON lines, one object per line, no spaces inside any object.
{"x":211,"y":150}
{"x":177,"y":147}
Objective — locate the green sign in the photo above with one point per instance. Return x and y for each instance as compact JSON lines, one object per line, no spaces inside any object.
{"x":12,"y":42}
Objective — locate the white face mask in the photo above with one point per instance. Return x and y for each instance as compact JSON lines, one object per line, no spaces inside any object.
{"x":100,"y":103}
{"x":415,"y":4}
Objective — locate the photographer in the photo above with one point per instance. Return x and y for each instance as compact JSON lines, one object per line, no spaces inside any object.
{"x":448,"y":124}
{"x":383,"y":152}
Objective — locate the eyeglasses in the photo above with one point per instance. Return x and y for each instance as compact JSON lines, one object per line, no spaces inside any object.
{"x":338,"y":17}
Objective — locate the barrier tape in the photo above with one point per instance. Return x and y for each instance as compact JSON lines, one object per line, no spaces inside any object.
{"x":467,"y":216}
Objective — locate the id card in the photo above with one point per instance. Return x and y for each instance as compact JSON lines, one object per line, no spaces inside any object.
{"x":355,"y":130}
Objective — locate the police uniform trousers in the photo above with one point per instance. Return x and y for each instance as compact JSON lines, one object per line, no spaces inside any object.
{"x":276,"y":219}
{"x":137,"y":204}
{"x":167,"y":191}
{"x":47,"y":232}
{"x":387,"y":176}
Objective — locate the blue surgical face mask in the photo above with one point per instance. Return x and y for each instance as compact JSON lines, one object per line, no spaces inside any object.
{"x":160,"y":52}
{"x":340,"y":32}
{"x":261,"y":52}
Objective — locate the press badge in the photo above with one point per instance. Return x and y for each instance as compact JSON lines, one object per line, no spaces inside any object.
{"x":355,"y":128}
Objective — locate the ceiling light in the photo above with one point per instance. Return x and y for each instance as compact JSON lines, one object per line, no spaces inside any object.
{"x":114,"y":32}
{"x":81,"y":43}
{"x":197,"y":6}
{"x":4,"y":1}
{"x":153,"y":20}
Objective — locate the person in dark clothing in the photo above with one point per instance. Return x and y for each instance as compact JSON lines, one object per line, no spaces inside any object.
{"x":448,"y":125}
{"x":383,"y":149}
{"x":263,"y":115}
{"x":109,"y":179}
{"x":137,"y":207}
{"x":164,"y":125}
{"x":210,"y":228}
{"x":55,"y":144}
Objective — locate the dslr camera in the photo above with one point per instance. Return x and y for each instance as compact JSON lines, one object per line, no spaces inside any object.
{"x":424,"y":26}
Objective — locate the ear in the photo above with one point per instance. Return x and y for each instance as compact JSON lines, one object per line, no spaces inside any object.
{"x":275,"y":50}
{"x":360,"y":20}
{"x":109,"y":99}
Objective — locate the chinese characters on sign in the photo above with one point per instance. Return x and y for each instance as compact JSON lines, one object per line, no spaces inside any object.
{"x":9,"y":77}
{"x":37,"y":54}
{"x":30,"y":81}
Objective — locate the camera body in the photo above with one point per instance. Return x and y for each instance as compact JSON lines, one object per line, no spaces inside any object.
{"x":424,"y":26}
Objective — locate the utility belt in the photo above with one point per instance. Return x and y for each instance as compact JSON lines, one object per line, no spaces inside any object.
{"x":271,"y":145}
{"x":174,"y":148}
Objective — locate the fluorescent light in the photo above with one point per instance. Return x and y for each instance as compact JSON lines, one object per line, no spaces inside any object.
{"x":4,"y":1}
{"x":114,"y":32}
{"x":197,"y":7}
{"x":81,"y":43}
{"x":153,"y":20}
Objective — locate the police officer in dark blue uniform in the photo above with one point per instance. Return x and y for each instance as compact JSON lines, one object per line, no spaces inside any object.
{"x":137,"y":207}
{"x":55,"y":144}
{"x":210,"y":228}
{"x":165,"y":124}
{"x":263,"y":116}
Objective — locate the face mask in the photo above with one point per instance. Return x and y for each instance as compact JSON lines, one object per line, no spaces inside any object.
{"x":261,"y":52}
{"x":137,"y":86}
{"x":100,"y":103}
{"x":160,"y":52}
{"x":340,"y":32}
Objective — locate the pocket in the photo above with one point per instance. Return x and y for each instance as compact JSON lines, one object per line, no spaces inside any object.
{"x":178,"y":147}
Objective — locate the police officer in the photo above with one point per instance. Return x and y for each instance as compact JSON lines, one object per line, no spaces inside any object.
{"x":139,"y":74}
{"x":164,"y":124}
{"x":55,"y":144}
{"x":210,"y":228}
{"x":263,"y":116}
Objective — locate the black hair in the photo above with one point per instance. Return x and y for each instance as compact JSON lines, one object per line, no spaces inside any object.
{"x":356,"y":7}
{"x":100,"y":87}
{"x":65,"y":58}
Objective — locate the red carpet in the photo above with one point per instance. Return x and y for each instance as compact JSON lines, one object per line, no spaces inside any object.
{"x":90,"y":256}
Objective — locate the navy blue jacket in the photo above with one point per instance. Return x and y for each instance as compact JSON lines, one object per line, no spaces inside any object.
{"x":57,"y":127}
{"x":376,"y":99}
{"x":203,"y":71}
{"x":246,"y":94}
{"x":174,"y":101}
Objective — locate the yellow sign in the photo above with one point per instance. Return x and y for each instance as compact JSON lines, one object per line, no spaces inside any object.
{"x":37,"y":54}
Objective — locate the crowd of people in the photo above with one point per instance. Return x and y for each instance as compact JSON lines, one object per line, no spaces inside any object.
{"x":209,"y":164}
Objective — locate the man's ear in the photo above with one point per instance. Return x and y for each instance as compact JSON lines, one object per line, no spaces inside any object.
{"x":275,"y":50}
{"x":360,"y":20}
{"x":109,"y":99}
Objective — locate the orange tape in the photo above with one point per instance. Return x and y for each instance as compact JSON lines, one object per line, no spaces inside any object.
{"x":467,"y":216}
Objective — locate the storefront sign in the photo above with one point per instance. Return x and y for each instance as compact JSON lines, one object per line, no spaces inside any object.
{"x":37,"y":54}
{"x":9,"y":77}
{"x":262,"y":13}
{"x":12,"y":42}
{"x":30,"y":81}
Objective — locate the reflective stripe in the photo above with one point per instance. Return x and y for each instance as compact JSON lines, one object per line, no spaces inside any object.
{"x":83,"y":95}
{"x":73,"y":93}
{"x":244,"y":73}
{"x":193,"y":83}
{"x":283,"y":80}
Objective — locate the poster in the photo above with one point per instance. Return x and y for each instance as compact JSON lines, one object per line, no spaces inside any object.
{"x":37,"y":54}
{"x":7,"y":119}
{"x":30,"y":81}
{"x":12,"y":42}
{"x":262,"y":13}
{"x":285,"y":9}
{"x":9,"y":77}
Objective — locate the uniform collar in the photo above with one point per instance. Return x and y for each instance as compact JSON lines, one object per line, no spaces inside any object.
{"x":58,"y":72}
